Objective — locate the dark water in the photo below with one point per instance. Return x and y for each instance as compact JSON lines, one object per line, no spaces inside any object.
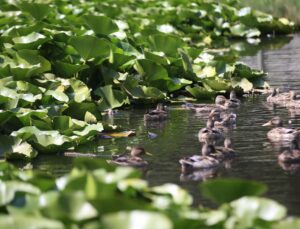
{"x":177,"y":137}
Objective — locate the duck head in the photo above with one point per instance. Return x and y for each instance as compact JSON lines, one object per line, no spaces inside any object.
{"x":137,"y":151}
{"x":220,"y":100}
{"x":160,"y":107}
{"x":275,"y":122}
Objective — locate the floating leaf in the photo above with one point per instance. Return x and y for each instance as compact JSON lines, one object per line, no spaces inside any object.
{"x":151,"y":70}
{"x":29,"y":222}
{"x":200,"y":92}
{"x":67,"y":70}
{"x":30,"y":41}
{"x":169,"y":44}
{"x":15,"y":148}
{"x":123,"y":134}
{"x":226,"y":190}
{"x":101,"y":24}
{"x":36,"y":10}
{"x":145,"y":220}
{"x":91,"y":47}
{"x":110,"y":98}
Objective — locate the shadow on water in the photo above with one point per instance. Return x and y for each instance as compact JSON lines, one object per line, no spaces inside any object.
{"x":177,"y":137}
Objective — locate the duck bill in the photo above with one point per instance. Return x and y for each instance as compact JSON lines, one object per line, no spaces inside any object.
{"x":267,"y":124}
{"x":149,"y":154}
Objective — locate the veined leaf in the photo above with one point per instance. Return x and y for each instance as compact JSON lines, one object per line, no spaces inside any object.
{"x":91,"y":47}
{"x":101,"y":24}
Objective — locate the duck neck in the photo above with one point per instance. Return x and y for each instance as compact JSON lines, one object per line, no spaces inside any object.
{"x":207,"y":149}
{"x":210,"y":123}
{"x":232,"y":95}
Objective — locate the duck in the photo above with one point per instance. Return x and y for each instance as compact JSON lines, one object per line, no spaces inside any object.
{"x":206,"y":108}
{"x":210,"y":132}
{"x":159,"y":114}
{"x":280,"y":98}
{"x":292,"y":155}
{"x":223,"y":119}
{"x":225,"y":152}
{"x":197,"y":162}
{"x":133,"y":159}
{"x":280,"y":133}
{"x":294,"y":102}
{"x":233,"y":101}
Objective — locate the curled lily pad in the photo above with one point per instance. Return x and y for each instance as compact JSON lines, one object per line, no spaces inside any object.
{"x":14,"y":148}
{"x":30,"y":41}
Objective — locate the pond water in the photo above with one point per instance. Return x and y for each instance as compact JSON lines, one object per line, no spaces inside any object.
{"x":177,"y":137}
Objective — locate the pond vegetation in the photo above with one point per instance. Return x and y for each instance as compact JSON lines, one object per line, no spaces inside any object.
{"x":63,"y":64}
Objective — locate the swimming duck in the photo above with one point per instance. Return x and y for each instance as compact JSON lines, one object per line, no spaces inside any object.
{"x":210,"y":132}
{"x":280,"y":133}
{"x":291,"y":155}
{"x":224,"y":152}
{"x":233,"y":101}
{"x":294,"y":100}
{"x":280,"y":98}
{"x":204,"y":161}
{"x":223,"y":119}
{"x":133,"y":159}
{"x":206,"y":108}
{"x":159,"y":114}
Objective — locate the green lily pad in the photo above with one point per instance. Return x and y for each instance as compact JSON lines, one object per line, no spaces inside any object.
{"x":145,"y":220}
{"x":226,"y":190}
{"x":91,"y":47}
{"x":101,"y":24}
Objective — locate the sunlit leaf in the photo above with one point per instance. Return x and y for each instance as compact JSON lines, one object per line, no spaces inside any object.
{"x":128,"y":220}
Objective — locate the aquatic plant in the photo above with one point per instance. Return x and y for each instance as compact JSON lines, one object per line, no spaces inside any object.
{"x":94,"y":195}
{"x":62,"y":63}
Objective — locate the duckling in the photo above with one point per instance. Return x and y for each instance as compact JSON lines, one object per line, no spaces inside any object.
{"x":134,"y":159}
{"x":233,"y":101}
{"x":159,"y":114}
{"x":210,"y":132}
{"x":280,"y":133}
{"x":224,"y":152}
{"x":294,"y":100}
{"x":279,"y":98}
{"x":206,"y":108}
{"x":228,"y":120}
{"x":204,"y":161}
{"x":291,"y":155}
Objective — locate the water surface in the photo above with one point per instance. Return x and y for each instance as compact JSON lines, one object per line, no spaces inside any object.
{"x":177,"y":137}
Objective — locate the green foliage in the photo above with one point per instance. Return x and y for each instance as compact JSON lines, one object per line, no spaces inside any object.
{"x":96,"y":195}
{"x":63,"y":63}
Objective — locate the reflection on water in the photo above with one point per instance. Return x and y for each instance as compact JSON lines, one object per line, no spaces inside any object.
{"x":177,"y":137}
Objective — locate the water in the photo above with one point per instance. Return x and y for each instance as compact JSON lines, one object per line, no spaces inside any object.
{"x":177,"y":137}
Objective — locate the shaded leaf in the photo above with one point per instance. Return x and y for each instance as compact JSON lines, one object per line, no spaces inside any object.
{"x":226,"y":190}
